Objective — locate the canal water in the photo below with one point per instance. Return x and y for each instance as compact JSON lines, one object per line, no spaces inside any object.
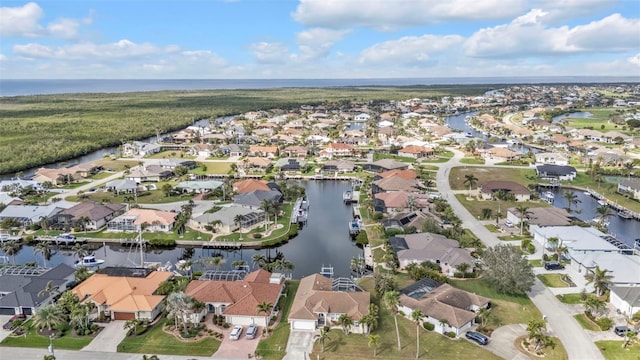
{"x":625,"y":230}
{"x":323,"y":241}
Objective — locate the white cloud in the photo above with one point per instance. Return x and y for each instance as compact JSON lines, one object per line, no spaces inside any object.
{"x":317,"y":42}
{"x":561,"y":10}
{"x":3,"y":57}
{"x":21,"y":21}
{"x":270,"y":52}
{"x":528,"y":35}
{"x":409,"y":50}
{"x":635,"y":60}
{"x":386,"y":14}
{"x":119,"y":50}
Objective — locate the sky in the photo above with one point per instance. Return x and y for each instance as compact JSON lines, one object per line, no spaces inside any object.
{"x":313,"y":39}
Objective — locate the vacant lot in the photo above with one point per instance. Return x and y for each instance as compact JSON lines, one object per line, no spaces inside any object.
{"x":457,"y":176}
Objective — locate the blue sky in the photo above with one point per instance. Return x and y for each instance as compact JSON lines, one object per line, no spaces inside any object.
{"x":209,"y":39}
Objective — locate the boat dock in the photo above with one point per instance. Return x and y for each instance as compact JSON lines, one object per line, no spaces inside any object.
{"x":64,"y":241}
{"x":621,"y":210}
{"x":300,"y":211}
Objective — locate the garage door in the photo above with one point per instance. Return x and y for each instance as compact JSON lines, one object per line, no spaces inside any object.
{"x":7,"y":311}
{"x":123,"y":316}
{"x":303,"y":325}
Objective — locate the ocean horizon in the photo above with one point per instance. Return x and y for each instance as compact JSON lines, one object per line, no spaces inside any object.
{"x":22,"y":87}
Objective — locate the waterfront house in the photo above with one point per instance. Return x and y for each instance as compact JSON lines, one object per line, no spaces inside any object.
{"x":198,"y":187}
{"x":338,"y":166}
{"x":128,"y":297}
{"x":321,"y":301}
{"x":501,"y":154}
{"x":249,"y":185}
{"x":624,"y":269}
{"x":290,"y":164}
{"x":56,"y":177}
{"x":405,"y":174}
{"x":255,"y":199}
{"x":21,"y":287}
{"x":394,"y":183}
{"x":294,"y":151}
{"x":556,"y":172}
{"x":138,"y":148}
{"x":264,"y":151}
{"x":541,"y":217}
{"x":228,"y":216}
{"x":552,"y":158}
{"x":238,"y":300}
{"x":33,"y":214}
{"x":625,"y":298}
{"x":137,"y":219}
{"x":449,"y":309}
{"x":335,"y":149}
{"x":88,"y":215}
{"x":630,"y":188}
{"x":576,"y":238}
{"x":488,"y":190}
{"x":438,"y":249}
{"x":253,"y":164}
{"x":399,"y":201}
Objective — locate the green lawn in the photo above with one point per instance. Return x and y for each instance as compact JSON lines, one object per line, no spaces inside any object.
{"x":552,"y":280}
{"x":493,"y":228}
{"x":145,"y":197}
{"x":508,"y":309}
{"x":170,"y":154}
{"x":156,"y":341}
{"x":586,"y":323}
{"x":379,"y":156}
{"x":273,"y":347}
{"x":33,"y":340}
{"x":213,"y":168}
{"x":612,"y":350}
{"x":536,"y":262}
{"x":483,"y":174}
{"x":471,"y":160}
{"x":515,"y":236}
{"x":475,"y":206}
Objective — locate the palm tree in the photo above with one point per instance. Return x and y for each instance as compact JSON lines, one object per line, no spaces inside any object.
{"x":374,"y":340}
{"x":265,"y":307}
{"x":80,"y":250}
{"x":43,"y":249}
{"x":82,"y":222}
{"x":594,"y":306}
{"x":48,"y":316}
{"x":417,"y":316}
{"x":524,"y":212}
{"x":11,"y":248}
{"x":237,"y":264}
{"x":214,"y":224}
{"x":258,"y":260}
{"x":238,"y":221}
{"x":392,"y":300}
{"x":78,"y":317}
{"x":604,"y":212}
{"x":600,"y":279}
{"x":47,"y":291}
{"x":572,"y":199}
{"x":485,"y":315}
{"x":266,"y":207}
{"x":471,"y":180}
{"x":322,"y":337}
{"x":178,"y":303}
{"x":346,"y":322}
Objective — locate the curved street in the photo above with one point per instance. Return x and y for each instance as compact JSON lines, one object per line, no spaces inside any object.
{"x":561,"y":324}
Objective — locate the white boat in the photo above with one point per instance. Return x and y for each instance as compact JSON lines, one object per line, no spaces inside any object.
{"x":625,"y":214}
{"x":602,"y":202}
{"x":549,"y":195}
{"x":469,"y":135}
{"x":89,"y":261}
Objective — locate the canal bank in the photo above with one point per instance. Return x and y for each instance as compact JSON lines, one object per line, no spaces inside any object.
{"x":323,"y":240}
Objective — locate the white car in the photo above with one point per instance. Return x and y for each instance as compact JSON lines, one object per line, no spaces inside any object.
{"x":236,"y":332}
{"x":508,"y":223}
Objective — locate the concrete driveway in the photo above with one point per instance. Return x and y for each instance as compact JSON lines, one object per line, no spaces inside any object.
{"x":3,"y":320}
{"x":108,"y":339}
{"x":503,"y":339}
{"x":237,"y":349}
{"x":299,"y":345}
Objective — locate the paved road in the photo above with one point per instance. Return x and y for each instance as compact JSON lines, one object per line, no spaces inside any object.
{"x":35,"y":353}
{"x":575,"y":340}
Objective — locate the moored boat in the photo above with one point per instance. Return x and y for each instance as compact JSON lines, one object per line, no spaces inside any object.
{"x":89,"y":261}
{"x":625,"y":214}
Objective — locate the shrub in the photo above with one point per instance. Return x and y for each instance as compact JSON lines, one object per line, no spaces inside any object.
{"x":531,"y":248}
{"x":226,"y":325}
{"x":450,"y":334}
{"x":377,"y":215}
{"x":162,"y":242}
{"x":362,"y":239}
{"x":605,"y":323}
{"x":428,"y":326}
{"x":257,"y":236}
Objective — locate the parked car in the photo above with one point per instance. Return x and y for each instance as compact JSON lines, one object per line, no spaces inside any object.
{"x":553,"y":265}
{"x":9,"y":324}
{"x":236,"y":332}
{"x":622,"y":330}
{"x":508,"y":223}
{"x":252,"y":330}
{"x":477,"y":337}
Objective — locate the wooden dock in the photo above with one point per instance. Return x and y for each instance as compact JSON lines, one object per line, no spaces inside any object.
{"x":614,"y":205}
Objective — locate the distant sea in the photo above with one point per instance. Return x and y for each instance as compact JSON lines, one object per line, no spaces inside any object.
{"x":41,"y":87}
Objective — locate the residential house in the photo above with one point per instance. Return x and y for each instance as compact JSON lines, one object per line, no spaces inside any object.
{"x":625,"y":298}
{"x":21,"y":287}
{"x":338,"y":166}
{"x":19,"y":184}
{"x":290,"y":164}
{"x":128,"y":297}
{"x":438,"y":249}
{"x":394,"y":183}
{"x":264,"y":151}
{"x":249,"y":185}
{"x":624,"y":269}
{"x":630,"y":187}
{"x":122,"y":186}
{"x":399,"y":201}
{"x":138,"y":148}
{"x":56,"y":177}
{"x":33,"y":214}
{"x":321,"y":301}
{"x":153,"y":173}
{"x":449,"y":309}
{"x":488,"y":190}
{"x":137,"y":219}
{"x":362,"y":117}
{"x":256,"y":198}
{"x":253,"y":164}
{"x":238,"y":300}
{"x":198,"y":187}
{"x":233,"y":150}
{"x":335,"y":149}
{"x":385,"y":165}
{"x":405,"y":174}
{"x":552,"y":158}
{"x":542,"y":216}
{"x":88,"y":214}
{"x":228,"y":217}
{"x":416,"y":152}
{"x":294,"y":151}
{"x":556,"y":172}
{"x":576,"y":238}
{"x":501,"y":154}
{"x":7,"y":199}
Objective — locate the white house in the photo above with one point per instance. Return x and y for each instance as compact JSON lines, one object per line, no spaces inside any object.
{"x":625,"y":298}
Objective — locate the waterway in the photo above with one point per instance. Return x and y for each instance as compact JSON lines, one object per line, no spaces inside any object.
{"x":573,"y":115}
{"x":324,"y":240}
{"x":625,"y":230}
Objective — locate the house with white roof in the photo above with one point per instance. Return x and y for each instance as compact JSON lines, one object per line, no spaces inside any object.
{"x":576,"y":238}
{"x":625,"y":298}
{"x":29,"y":214}
{"x":624,"y":269}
